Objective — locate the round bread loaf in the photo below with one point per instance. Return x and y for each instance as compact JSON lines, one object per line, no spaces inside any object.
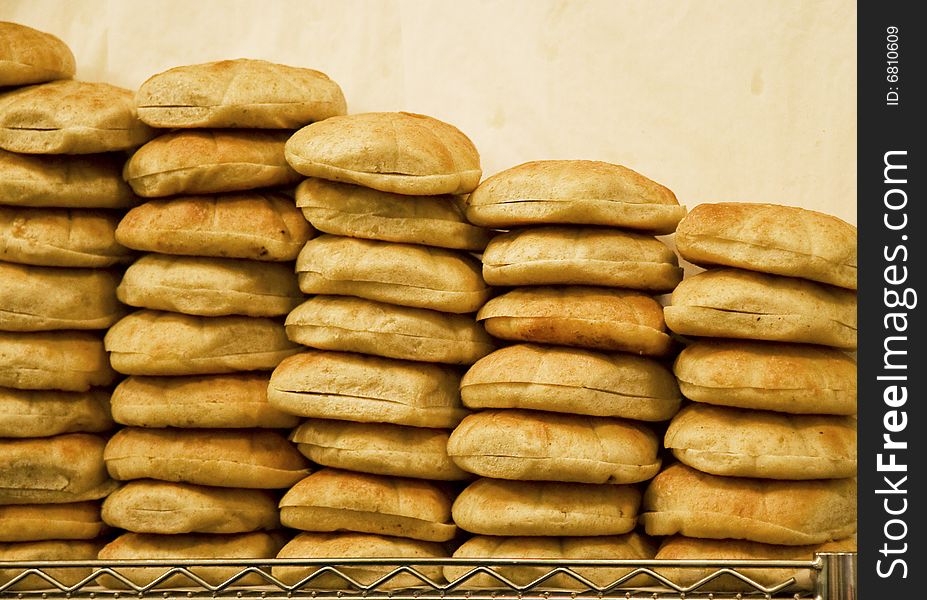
{"x":580,"y":192}
{"x":28,"y":55}
{"x":358,"y":325}
{"x":538,"y":446}
{"x":70,"y":117}
{"x":571,"y":380}
{"x":378,"y":448}
{"x":52,"y":298}
{"x":37,"y":522}
{"x":210,"y":287}
{"x":149,"y":506}
{"x":366,"y":389}
{"x":683,"y":548}
{"x":751,"y":443}
{"x":238,"y":93}
{"x":93,"y":181}
{"x":237,"y":400}
{"x":580,"y":256}
{"x":734,"y":303}
{"x":335,"y":500}
{"x":53,"y":550}
{"x":209,"y":161}
{"x":588,"y":317}
{"x":264,"y":227}
{"x":149,"y":342}
{"x":358,"y":545}
{"x":41,"y":413}
{"x":787,"y":378}
{"x":60,"y":237}
{"x":238,"y":458}
{"x":792,"y":513}
{"x":398,"y":152}
{"x":57,"y":470}
{"x":783,"y":240}
{"x":150,"y":546}
{"x":545,"y":508}
{"x":53,"y":360}
{"x":403,"y":274}
{"x":631,"y":546}
{"x":355,"y":211}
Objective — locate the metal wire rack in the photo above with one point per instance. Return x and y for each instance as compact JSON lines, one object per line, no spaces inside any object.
{"x":833,"y":577}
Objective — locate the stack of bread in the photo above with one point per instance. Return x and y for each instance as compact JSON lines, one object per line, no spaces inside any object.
{"x":60,"y":193}
{"x":767,"y":448}
{"x":201,"y":450}
{"x":559,"y":439}
{"x":393,"y":291}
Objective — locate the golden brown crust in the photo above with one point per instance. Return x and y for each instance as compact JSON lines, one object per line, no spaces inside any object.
{"x":40,"y":413}
{"x":92,"y":181}
{"x":751,"y":443}
{"x":71,"y":361}
{"x":742,"y":304}
{"x":378,"y":448}
{"x":150,"y":506}
{"x":631,"y":546}
{"x":571,"y":380}
{"x":358,"y":545}
{"x":357,"y":325}
{"x":783,"y":240}
{"x":356,"y":211}
{"x":238,"y":93}
{"x":60,"y":237}
{"x":56,"y":470}
{"x":54,"y":298}
{"x":255,"y":226}
{"x":336,"y":500}
{"x":398,"y":152}
{"x":366,"y":389}
{"x":788,"y":378}
{"x":149,"y":342}
{"x":538,"y":446}
{"x":48,"y":550}
{"x":237,"y":400}
{"x":545,"y":508}
{"x":29,"y":56}
{"x":70,"y":117}
{"x":554,"y":255}
{"x":402,"y":274}
{"x":691,"y":503}
{"x":246,"y":458}
{"x":208,"y":162}
{"x":580,"y":192}
{"x":37,"y":522}
{"x":588,"y":317}
{"x":210,"y":287}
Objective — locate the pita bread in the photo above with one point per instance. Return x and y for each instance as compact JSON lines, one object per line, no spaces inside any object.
{"x":48,"y":550}
{"x":588,"y":317}
{"x":255,"y":226}
{"x":238,"y":93}
{"x":580,"y":256}
{"x":28,"y":55}
{"x":37,"y":522}
{"x":209,"y":162}
{"x":783,"y":240}
{"x":41,"y":413}
{"x":574,"y":192}
{"x":71,"y":361}
{"x":571,"y":380}
{"x":787,"y":378}
{"x":357,"y":325}
{"x":537,"y":446}
{"x":734,"y":303}
{"x":398,"y":152}
{"x":70,"y":117}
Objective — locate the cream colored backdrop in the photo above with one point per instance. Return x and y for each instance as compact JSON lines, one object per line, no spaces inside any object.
{"x":745,"y":100}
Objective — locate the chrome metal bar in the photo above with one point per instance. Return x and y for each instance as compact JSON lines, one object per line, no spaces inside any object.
{"x":836,"y":579}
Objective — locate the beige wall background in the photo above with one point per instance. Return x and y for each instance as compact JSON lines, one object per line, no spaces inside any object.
{"x":720,"y":100}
